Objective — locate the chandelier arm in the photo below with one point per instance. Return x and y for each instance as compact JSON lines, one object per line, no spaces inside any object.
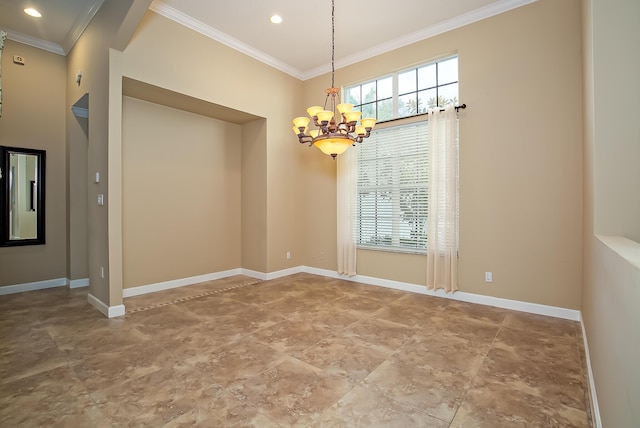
{"x":304,"y":139}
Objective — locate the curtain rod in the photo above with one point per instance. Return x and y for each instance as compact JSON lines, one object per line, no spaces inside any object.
{"x":418,"y":115}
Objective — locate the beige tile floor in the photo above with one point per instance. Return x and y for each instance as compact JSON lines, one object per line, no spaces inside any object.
{"x":303,"y":350}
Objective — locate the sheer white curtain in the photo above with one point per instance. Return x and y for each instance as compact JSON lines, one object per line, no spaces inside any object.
{"x":442,"y":233}
{"x":346,"y":206}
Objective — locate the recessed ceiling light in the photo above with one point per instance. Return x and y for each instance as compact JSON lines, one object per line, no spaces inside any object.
{"x":32,"y":12}
{"x":276,"y":19}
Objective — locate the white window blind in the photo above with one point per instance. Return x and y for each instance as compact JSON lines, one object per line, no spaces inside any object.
{"x":392,"y":189}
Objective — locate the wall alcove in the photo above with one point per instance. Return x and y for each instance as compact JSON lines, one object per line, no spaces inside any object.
{"x":191,"y":189}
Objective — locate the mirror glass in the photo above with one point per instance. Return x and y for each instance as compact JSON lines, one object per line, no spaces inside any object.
{"x":22,"y":178}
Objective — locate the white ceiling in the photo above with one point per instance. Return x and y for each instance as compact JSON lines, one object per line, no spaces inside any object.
{"x":62,"y":22}
{"x":300,"y":45}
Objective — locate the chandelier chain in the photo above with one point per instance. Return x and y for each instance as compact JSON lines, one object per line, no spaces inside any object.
{"x":333,"y":42}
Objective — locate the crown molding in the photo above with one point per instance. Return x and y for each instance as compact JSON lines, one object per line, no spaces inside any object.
{"x":72,"y":37}
{"x":425,"y":33}
{"x":479,"y":14}
{"x":193,"y":24}
{"x":35,"y":42}
{"x":81,"y":24}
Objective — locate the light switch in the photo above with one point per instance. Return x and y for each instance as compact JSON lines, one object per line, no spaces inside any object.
{"x":97,"y":177}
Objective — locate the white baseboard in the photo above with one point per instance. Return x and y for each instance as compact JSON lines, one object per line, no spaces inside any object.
{"x":597,"y":421}
{"x":272,"y":275}
{"x":167,"y":285}
{"x":284,"y":272}
{"x":33,"y":286}
{"x":182,"y":282}
{"x":79,"y":283}
{"x":108,"y":311}
{"x":254,"y":274}
{"x":534,"y":308}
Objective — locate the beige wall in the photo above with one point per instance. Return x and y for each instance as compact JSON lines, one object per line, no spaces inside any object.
{"x":616,"y":65}
{"x":91,"y":54}
{"x":271,"y":170}
{"x":77,"y":197}
{"x":181,"y":194}
{"x":520,"y":156}
{"x":254,"y":196}
{"x":520,"y":181}
{"x":612,"y":322}
{"x":33,"y":116}
{"x":611,"y":291}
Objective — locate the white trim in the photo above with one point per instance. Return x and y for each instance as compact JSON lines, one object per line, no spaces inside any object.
{"x":81,"y":24}
{"x":284,"y":272}
{"x":476,"y":15}
{"x":623,"y":247}
{"x":597,"y":421}
{"x":33,"y":286}
{"x":108,"y":311}
{"x":35,"y":42}
{"x":200,"y":27}
{"x":534,"y":308}
{"x":72,"y":36}
{"x":479,"y":14}
{"x":254,"y":274}
{"x":116,"y":311}
{"x":79,"y":283}
{"x":166,"y":285}
{"x":272,"y":275}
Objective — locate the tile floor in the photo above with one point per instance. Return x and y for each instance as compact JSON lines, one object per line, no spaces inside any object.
{"x":302,"y":350}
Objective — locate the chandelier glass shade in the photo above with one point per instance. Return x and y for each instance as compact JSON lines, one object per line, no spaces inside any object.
{"x":336,"y":124}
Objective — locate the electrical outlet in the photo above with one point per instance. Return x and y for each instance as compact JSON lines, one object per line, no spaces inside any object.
{"x":288,"y":255}
{"x":488,"y":276}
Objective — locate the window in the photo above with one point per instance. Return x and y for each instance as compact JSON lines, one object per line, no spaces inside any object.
{"x":392,"y":183}
{"x":392,"y":189}
{"x":373,"y":99}
{"x":407,"y":93}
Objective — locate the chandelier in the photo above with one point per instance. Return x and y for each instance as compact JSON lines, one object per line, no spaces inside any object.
{"x":336,"y":123}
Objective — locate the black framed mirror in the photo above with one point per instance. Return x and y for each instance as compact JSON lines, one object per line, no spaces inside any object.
{"x":22,"y":196}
